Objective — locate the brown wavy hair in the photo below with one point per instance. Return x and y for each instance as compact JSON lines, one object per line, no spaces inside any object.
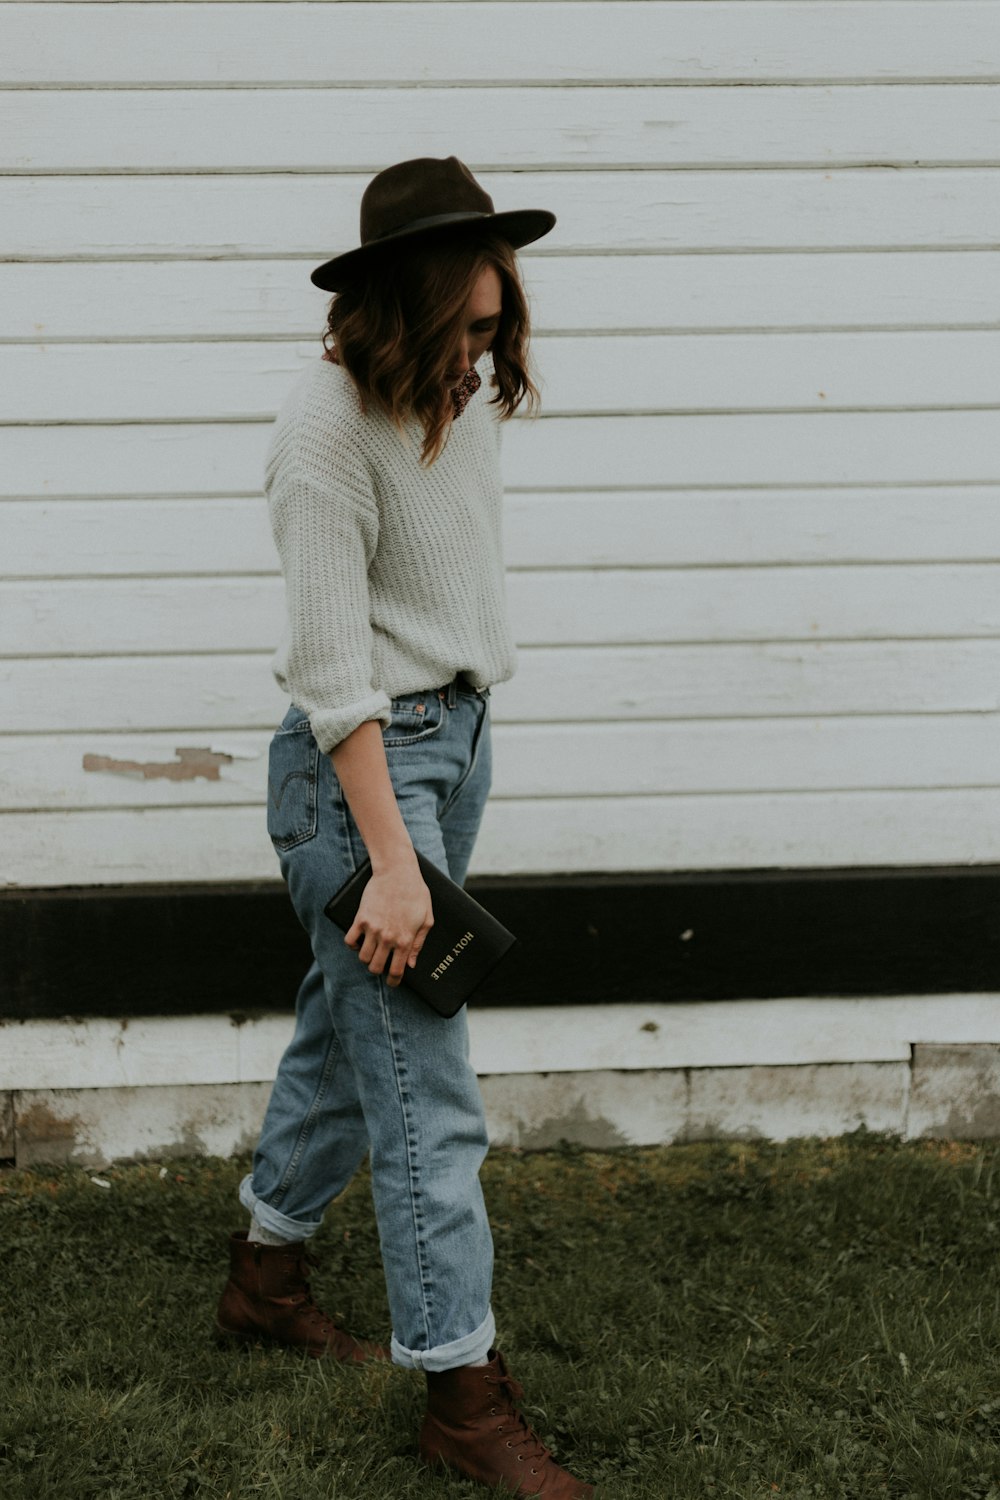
{"x":395,"y":332}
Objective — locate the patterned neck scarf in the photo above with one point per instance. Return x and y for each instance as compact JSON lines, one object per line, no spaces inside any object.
{"x":461,"y":394}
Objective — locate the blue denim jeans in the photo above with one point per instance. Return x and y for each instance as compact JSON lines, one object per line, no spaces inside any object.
{"x":371,"y":1068}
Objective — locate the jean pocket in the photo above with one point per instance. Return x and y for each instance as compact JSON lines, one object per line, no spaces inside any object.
{"x":415,"y":717}
{"x":292,"y":784}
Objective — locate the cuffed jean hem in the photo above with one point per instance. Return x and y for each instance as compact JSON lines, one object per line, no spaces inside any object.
{"x":269,"y":1218}
{"x":473,"y":1349}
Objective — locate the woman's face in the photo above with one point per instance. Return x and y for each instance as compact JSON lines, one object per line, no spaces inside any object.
{"x":480,"y":321}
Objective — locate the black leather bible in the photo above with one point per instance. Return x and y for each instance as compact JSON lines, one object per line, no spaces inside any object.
{"x":465,"y":943}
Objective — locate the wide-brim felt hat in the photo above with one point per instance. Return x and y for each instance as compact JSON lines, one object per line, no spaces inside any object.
{"x":417,"y":200}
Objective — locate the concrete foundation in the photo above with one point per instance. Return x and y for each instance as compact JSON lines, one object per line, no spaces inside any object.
{"x":955,"y":1092}
{"x":812,"y":1099}
{"x":944,"y":1092}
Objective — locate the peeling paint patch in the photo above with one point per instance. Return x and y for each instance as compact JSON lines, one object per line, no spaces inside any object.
{"x":191,"y":762}
{"x":233,"y":754}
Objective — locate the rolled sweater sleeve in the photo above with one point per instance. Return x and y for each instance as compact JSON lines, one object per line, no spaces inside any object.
{"x":325,"y":527}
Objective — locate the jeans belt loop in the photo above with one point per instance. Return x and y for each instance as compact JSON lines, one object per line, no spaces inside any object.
{"x":452,"y":693}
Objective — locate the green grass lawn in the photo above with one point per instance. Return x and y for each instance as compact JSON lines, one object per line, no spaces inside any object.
{"x":819,"y":1318}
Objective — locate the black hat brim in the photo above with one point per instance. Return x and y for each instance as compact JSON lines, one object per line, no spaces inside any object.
{"x":518,"y":226}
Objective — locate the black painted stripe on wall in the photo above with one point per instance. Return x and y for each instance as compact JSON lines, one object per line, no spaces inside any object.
{"x":590,"y":939}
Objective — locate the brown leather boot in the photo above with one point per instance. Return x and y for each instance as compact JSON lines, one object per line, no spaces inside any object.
{"x":267,"y":1296}
{"x":473,"y":1425}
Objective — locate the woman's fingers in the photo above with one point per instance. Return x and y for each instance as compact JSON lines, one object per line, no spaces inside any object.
{"x":379,"y":958}
{"x":374,"y":953}
{"x":382,"y":954}
{"x":418,"y":941}
{"x":397,"y":966}
{"x":384,"y":932}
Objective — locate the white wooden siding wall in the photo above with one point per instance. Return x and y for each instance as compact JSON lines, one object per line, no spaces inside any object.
{"x":754,"y":541}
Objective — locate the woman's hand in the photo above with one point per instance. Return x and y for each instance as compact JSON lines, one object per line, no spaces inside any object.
{"x":395,"y":912}
{"x":394,"y":917}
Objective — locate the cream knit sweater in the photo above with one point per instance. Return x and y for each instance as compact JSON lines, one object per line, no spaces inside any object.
{"x":394,"y":573}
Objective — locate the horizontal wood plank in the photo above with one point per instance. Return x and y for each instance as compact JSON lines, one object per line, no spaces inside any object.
{"x":565,"y":453}
{"x":779,"y":830}
{"x":360,"y":129}
{"x":157,"y":1050}
{"x":578,"y":376}
{"x":153,"y":1050}
{"x":542,"y":42}
{"x":43,"y":302}
{"x":107,"y":538}
{"x":136,"y":217}
{"x":64,"y":772}
{"x":582,"y":685}
{"x":643,"y":606}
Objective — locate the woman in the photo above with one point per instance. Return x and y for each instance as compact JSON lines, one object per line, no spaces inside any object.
{"x":385,"y":500}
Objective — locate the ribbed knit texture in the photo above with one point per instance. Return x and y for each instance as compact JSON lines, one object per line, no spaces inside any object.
{"x":394,"y":573}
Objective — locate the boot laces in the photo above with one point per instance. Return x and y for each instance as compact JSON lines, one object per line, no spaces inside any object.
{"x":521,"y":1434}
{"x":315,"y":1316}
{"x":302,"y":1297}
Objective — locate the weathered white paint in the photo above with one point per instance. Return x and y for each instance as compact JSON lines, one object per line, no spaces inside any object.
{"x":566,"y":684}
{"x":955,"y":1091}
{"x":304,"y":214}
{"x":918,"y":1065}
{"x":534,"y":760}
{"x":273,"y":299}
{"x":540,"y":835}
{"x":753,"y":542}
{"x":939,"y":1091}
{"x":601,"y":1110}
{"x":582,"y":376}
{"x":679,"y":41}
{"x":91,"y":1127}
{"x":781,"y":1103}
{"x":95,"y":1127}
{"x":653,"y":1037}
